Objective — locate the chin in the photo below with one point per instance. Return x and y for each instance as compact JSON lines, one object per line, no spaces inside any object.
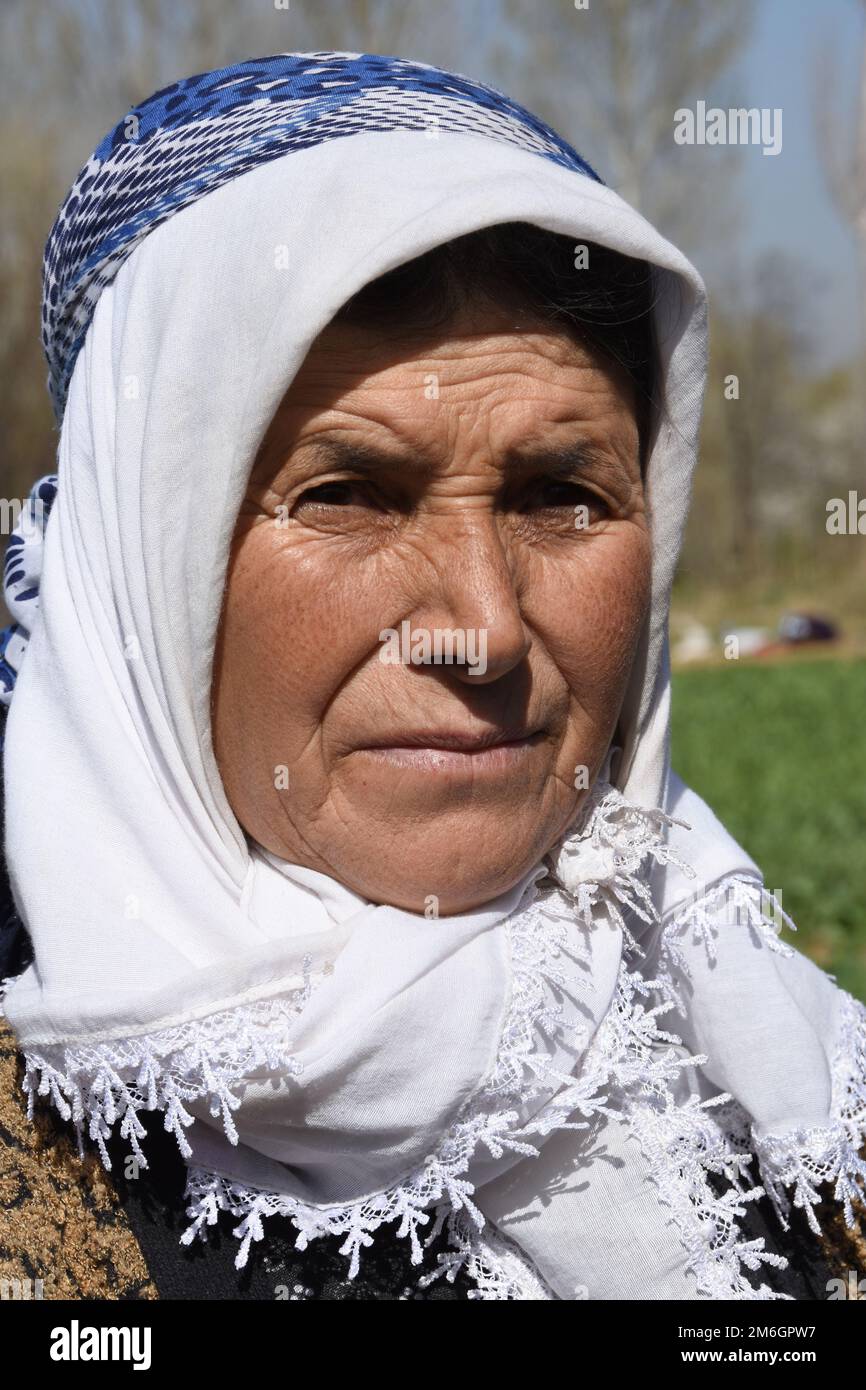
{"x":444,"y":871}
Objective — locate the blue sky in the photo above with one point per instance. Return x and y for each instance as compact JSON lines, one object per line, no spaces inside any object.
{"x":786,"y":200}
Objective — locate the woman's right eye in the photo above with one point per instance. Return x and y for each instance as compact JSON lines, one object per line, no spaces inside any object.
{"x":334,"y":493}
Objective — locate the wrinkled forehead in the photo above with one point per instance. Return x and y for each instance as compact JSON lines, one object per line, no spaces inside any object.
{"x":461,"y":399}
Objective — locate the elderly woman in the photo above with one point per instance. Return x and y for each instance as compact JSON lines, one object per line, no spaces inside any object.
{"x":349,"y":870}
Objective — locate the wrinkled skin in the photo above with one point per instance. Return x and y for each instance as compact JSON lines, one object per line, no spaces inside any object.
{"x":465,"y":523}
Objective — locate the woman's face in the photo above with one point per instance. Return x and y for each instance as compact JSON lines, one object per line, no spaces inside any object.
{"x":436,"y":589}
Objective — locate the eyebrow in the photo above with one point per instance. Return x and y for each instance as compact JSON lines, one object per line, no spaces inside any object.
{"x":563,"y":459}
{"x":557,"y":460}
{"x":366,"y":458}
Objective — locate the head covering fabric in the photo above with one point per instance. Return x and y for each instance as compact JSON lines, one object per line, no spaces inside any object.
{"x":22,"y":571}
{"x":342,"y":1063}
{"x":197,"y":134}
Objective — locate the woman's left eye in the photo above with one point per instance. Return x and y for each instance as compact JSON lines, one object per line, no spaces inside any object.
{"x":559,"y":492}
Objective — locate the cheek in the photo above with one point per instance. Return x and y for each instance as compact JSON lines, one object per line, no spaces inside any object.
{"x":589,"y":610}
{"x":292,"y":631}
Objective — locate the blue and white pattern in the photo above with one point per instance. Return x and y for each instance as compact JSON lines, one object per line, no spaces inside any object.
{"x":190,"y":138}
{"x":21,"y":575}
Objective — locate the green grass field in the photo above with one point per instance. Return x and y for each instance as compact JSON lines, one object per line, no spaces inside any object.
{"x":779,"y":753}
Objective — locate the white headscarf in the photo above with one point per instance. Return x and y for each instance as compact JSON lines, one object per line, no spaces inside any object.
{"x":511,"y":1070}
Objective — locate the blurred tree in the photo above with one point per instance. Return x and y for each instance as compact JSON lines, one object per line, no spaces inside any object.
{"x":613,"y":75}
{"x":778,"y":440}
{"x":842,"y":141}
{"x":755,"y":432}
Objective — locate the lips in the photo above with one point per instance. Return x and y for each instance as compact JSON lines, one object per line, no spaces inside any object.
{"x":458,"y":740}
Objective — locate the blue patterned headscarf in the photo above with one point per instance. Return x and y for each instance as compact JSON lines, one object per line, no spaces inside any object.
{"x":185,"y":141}
{"x":21,"y":580}
{"x":190,"y":138}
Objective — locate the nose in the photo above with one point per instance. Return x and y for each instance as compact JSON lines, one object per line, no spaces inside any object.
{"x":476,"y":595}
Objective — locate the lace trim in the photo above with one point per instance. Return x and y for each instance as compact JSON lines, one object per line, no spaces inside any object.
{"x":806,"y":1158}
{"x":205,"y":1059}
{"x":498,"y":1267}
{"x":490,"y":1120}
{"x":538,"y":935}
{"x":683,"y":1143}
{"x":601,"y":865}
{"x":744,"y":899}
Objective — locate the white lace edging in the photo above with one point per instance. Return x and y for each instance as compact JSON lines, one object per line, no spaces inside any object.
{"x":498,"y":1268}
{"x":746,"y":899}
{"x":803,"y":1159}
{"x":601,"y":866}
{"x":806,"y":1158}
{"x":631,"y":1054}
{"x":490,"y":1120}
{"x":684,"y":1144}
{"x":205,"y":1059}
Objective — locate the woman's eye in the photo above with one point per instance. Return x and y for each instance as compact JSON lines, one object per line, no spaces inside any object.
{"x":557,"y":492}
{"x":334,"y":494}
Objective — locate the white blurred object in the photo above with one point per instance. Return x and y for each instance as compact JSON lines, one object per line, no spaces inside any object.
{"x":749,"y":639}
{"x":694,"y":644}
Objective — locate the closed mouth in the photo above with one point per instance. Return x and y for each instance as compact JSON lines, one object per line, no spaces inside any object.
{"x":459,"y":741}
